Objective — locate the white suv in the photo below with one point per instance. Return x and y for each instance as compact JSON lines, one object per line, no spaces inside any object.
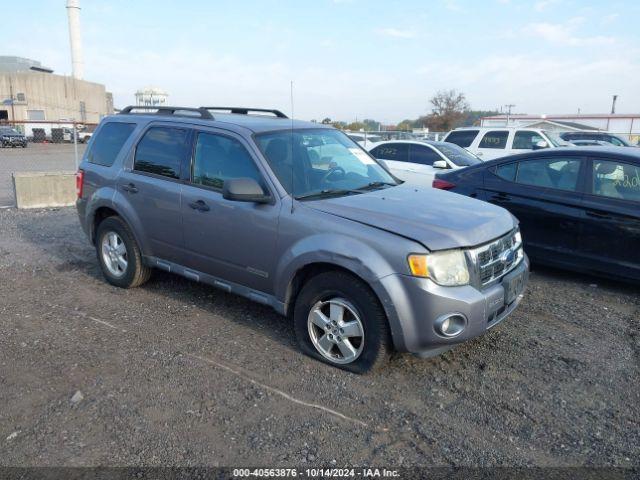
{"x":494,"y":142}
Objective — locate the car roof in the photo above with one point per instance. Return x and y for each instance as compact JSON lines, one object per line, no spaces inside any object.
{"x":629,"y":153}
{"x":229,"y":121}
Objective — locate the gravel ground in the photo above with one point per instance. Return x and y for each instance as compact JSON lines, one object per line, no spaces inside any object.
{"x":37,"y":157}
{"x":177,"y":373}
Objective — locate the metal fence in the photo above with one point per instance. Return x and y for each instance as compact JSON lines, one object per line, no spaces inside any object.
{"x":49,"y":147}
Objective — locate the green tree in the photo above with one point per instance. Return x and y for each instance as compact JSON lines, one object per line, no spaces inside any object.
{"x":448,"y":112}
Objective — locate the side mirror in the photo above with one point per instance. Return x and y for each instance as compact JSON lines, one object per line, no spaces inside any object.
{"x":440,"y":164}
{"x":540,"y":145}
{"x":244,"y":190}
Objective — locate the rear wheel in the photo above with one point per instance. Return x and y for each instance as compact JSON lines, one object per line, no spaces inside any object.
{"x":339,"y":320}
{"x":119,"y":255}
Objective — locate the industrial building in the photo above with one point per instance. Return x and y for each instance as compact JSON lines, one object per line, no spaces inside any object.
{"x":31,"y":92}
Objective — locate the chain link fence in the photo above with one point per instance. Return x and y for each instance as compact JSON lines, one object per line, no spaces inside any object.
{"x":39,"y":147}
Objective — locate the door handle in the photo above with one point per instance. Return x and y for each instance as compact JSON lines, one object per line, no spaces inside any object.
{"x":603,"y":216}
{"x":130,"y":187}
{"x":501,"y":196}
{"x":199,"y":205}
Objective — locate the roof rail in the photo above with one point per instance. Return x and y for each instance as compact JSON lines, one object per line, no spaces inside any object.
{"x":164,"y":110}
{"x":247,"y":110}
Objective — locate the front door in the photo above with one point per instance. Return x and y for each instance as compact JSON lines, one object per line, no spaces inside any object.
{"x":231,"y":240}
{"x":544,"y":194}
{"x":611,"y":239}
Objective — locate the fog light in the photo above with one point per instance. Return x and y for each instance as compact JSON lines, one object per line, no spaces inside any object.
{"x":450,"y":325}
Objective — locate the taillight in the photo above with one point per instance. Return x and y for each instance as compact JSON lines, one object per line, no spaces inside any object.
{"x":79,"y":182}
{"x":443,"y":184}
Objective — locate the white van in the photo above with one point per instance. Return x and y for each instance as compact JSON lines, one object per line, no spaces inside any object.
{"x":493,"y":142}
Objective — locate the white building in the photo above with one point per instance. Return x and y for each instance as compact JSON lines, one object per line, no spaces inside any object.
{"x":151,"y":97}
{"x":620,"y":123}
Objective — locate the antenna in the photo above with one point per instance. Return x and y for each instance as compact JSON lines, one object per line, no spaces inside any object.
{"x":292,"y":171}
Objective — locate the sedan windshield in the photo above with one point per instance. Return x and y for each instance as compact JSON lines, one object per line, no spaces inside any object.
{"x":321,"y":162}
{"x":9,"y":131}
{"x":458,"y":155}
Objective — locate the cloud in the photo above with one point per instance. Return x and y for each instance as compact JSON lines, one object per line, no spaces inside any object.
{"x":608,"y":19}
{"x":396,"y":32}
{"x":454,"y":6}
{"x":542,"y":5}
{"x":564,"y":34}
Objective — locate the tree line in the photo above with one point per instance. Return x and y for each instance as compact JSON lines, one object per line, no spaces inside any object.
{"x":449,"y":110}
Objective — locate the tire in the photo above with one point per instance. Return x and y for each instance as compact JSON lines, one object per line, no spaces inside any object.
{"x":370,"y":347}
{"x":124,"y":270}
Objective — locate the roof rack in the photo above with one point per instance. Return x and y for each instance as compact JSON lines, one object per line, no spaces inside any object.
{"x":247,"y":110}
{"x":164,"y":110}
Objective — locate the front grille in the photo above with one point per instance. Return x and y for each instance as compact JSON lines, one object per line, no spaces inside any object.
{"x":497,"y":258}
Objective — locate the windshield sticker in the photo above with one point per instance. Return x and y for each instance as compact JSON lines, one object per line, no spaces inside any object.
{"x":363,"y":157}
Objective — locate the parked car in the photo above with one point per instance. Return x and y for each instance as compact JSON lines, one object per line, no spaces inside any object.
{"x":418,"y":161}
{"x":579,"y":208}
{"x":10,"y":137}
{"x":297,"y":216}
{"x":590,"y":143}
{"x":364,"y":139}
{"x":616,"y":140}
{"x":82,"y":135}
{"x":489,"y":143}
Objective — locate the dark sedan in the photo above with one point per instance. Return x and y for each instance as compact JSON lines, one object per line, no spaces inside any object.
{"x":579,"y":208}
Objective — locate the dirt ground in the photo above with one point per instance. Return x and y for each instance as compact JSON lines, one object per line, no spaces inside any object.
{"x":177,"y":373}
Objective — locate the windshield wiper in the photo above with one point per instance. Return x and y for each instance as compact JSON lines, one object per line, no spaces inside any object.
{"x":374,"y":185}
{"x":328,"y":193}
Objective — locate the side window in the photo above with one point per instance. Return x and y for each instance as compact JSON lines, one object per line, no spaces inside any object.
{"x":560,"y":173}
{"x":398,"y":152}
{"x":495,"y":139}
{"x":508,"y":171}
{"x":161,"y":151}
{"x":107,"y":144}
{"x":462,"y":138}
{"x":616,"y":180}
{"x":526,"y":140}
{"x":219,"y":158}
{"x":422,"y":155}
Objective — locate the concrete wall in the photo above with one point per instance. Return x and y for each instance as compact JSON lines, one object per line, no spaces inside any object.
{"x":57,"y":95}
{"x":44,"y":189}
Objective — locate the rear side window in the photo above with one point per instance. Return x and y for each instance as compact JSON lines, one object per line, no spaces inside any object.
{"x":462,"y":138}
{"x":423,"y":155}
{"x":161,"y":151}
{"x":495,"y":139}
{"x":508,"y":171}
{"x":397,"y":152}
{"x":106,"y":145}
{"x":526,"y":140}
{"x":219,"y":158}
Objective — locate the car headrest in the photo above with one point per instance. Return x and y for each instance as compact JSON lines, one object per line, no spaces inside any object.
{"x":606,"y":168}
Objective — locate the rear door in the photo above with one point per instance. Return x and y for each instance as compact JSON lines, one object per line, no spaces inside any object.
{"x":231,"y":240}
{"x":151,"y":185}
{"x":611,"y":232}
{"x":545,"y":194}
{"x":493,"y":144}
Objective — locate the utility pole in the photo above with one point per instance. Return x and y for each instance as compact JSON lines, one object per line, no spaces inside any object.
{"x":509,"y":107}
{"x":613,"y":105}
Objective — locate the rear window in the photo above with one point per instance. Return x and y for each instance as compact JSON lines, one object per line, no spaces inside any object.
{"x":161,"y":151}
{"x":462,"y":138}
{"x":106,"y":145}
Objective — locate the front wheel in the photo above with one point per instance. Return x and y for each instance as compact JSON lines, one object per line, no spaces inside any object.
{"x":119,"y":255}
{"x":339,"y":320}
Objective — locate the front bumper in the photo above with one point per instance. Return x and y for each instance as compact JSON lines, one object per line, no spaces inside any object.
{"x":14,"y":142}
{"x":414,"y":304}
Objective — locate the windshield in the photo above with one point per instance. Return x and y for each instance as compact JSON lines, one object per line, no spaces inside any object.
{"x":9,"y":131}
{"x":324,"y":162}
{"x":458,"y":155}
{"x":555,"y":139}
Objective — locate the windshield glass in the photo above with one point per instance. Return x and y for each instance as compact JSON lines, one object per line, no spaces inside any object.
{"x":555,"y":139}
{"x":324,"y":162}
{"x":9,"y":131}
{"x":458,"y":155}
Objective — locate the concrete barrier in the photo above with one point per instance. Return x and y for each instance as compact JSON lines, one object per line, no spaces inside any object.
{"x":44,"y":189}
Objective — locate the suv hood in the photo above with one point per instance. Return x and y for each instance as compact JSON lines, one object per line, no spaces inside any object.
{"x":437,"y":219}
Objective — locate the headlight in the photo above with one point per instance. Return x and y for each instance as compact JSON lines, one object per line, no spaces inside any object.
{"x":447,"y":268}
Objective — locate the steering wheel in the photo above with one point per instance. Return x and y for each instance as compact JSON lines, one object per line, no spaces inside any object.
{"x":332,"y":171}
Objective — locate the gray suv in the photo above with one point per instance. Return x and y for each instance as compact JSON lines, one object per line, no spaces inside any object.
{"x":298,"y":216}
